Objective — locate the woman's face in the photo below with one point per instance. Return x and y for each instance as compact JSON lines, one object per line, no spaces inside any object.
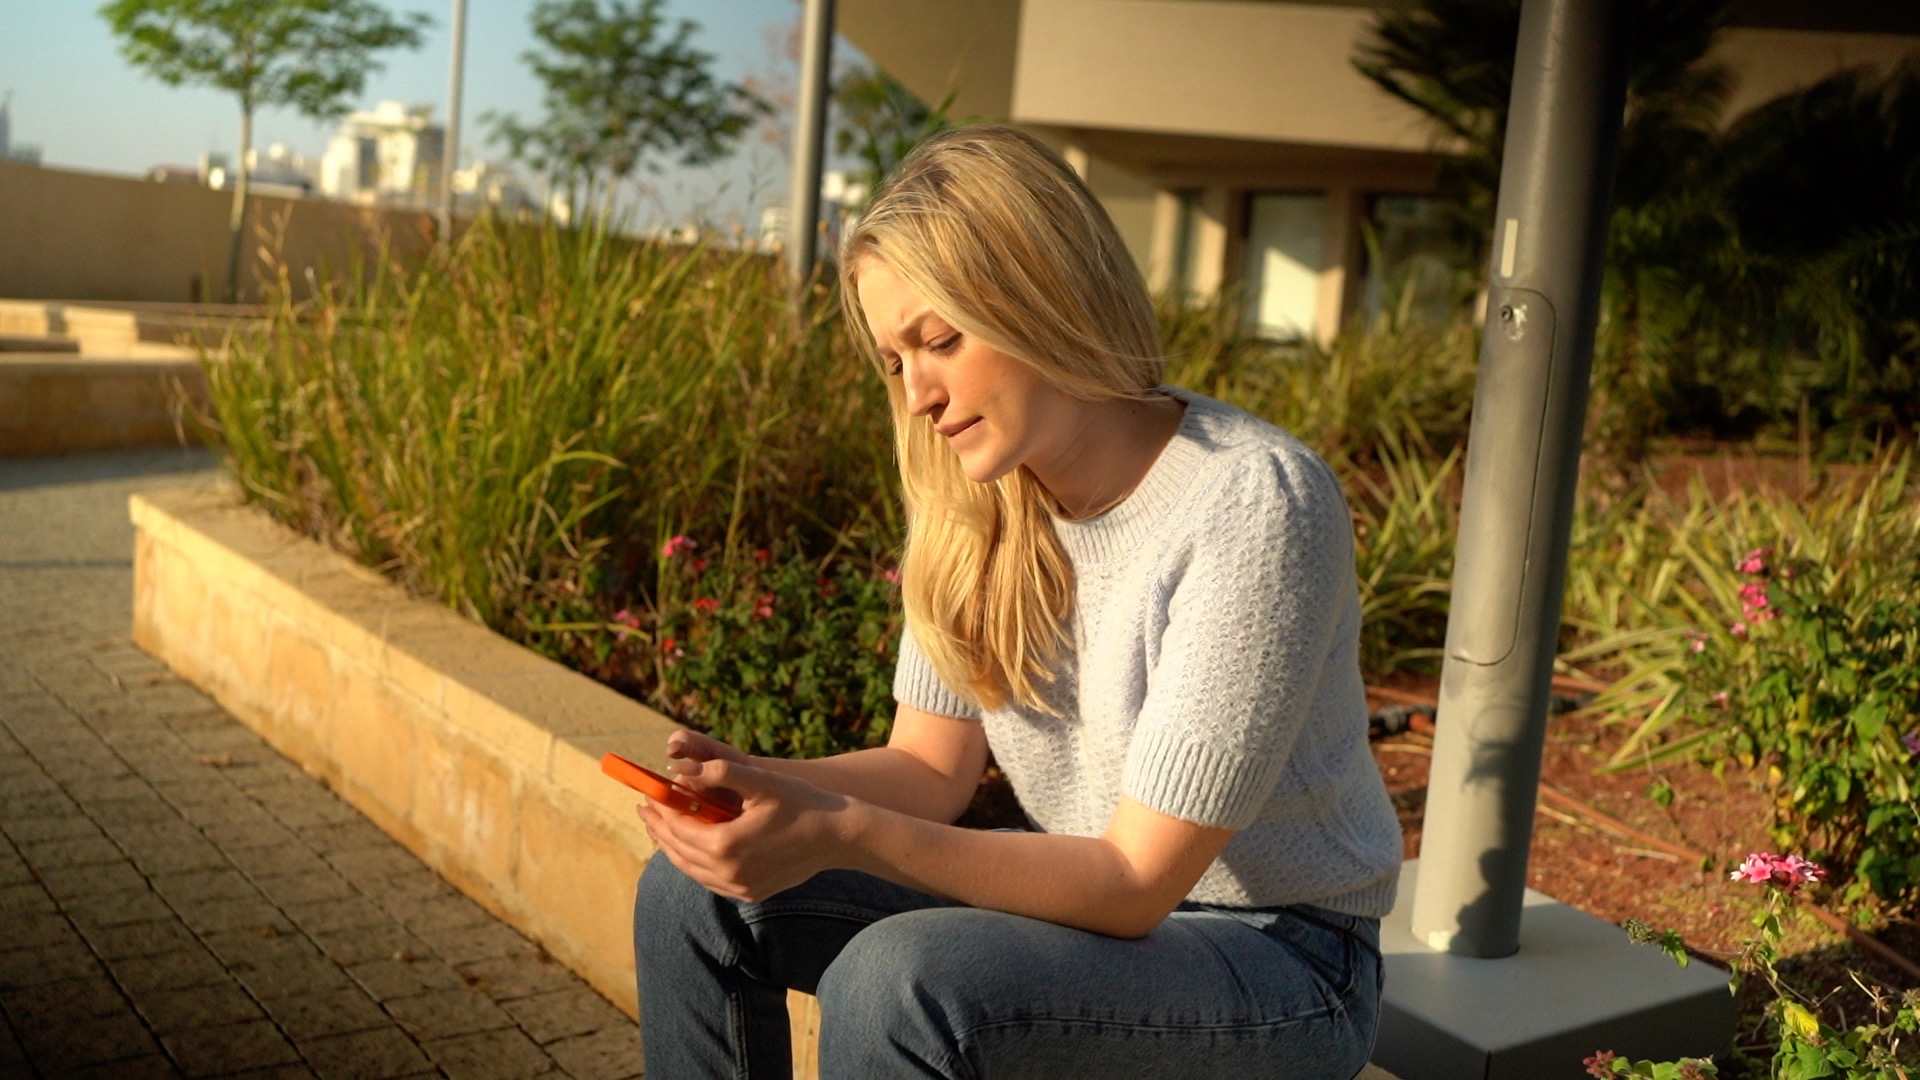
{"x":994,"y":411}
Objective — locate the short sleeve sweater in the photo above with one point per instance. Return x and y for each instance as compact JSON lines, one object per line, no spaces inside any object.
{"x":1212,"y":673}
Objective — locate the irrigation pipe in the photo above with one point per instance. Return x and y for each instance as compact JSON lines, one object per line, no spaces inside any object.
{"x":1416,"y":713}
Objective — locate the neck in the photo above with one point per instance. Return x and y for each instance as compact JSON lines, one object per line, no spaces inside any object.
{"x":1112,"y":448}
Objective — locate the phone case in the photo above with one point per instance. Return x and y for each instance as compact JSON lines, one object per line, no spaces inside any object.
{"x":665,"y":792}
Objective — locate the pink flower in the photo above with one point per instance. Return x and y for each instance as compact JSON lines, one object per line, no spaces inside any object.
{"x":670,"y":648}
{"x":1600,"y":1064}
{"x":626,"y":623}
{"x":1787,"y":873}
{"x":763,"y":606}
{"x":1738,"y":629}
{"x":1696,"y":641}
{"x":891,"y":575}
{"x":677,"y":546}
{"x":1911,"y":740}
{"x":1754,"y":562}
{"x":1720,"y":700}
{"x":706,"y":605}
{"x":1753,"y":602}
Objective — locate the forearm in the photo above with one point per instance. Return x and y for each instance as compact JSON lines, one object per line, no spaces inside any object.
{"x":1078,"y":881}
{"x":886,"y":777}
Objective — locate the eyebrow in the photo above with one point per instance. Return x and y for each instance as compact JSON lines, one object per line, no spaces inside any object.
{"x":911,"y":331}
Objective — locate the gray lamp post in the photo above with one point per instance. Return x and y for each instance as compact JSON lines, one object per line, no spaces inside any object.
{"x":809,"y":143}
{"x":1523,"y":457}
{"x":450,"y":158}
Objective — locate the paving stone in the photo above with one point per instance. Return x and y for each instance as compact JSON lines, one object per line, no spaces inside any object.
{"x":366,"y":1055}
{"x":350,"y":946}
{"x":76,"y":851}
{"x":46,"y":964}
{"x":489,"y":1055}
{"x":229,"y":1048}
{"x":292,"y":890}
{"x":139,"y":939}
{"x":373,"y":863}
{"x":69,"y":1048}
{"x":559,"y":1014}
{"x":192,"y":886}
{"x":173,"y":857}
{"x":25,"y":898}
{"x":335,"y":1012}
{"x":443,"y":909}
{"x":244,"y":834}
{"x":447,"y":1012}
{"x":168,"y":971}
{"x":347,"y":836}
{"x":98,"y":879}
{"x":608,"y":1054}
{"x":307,"y":975}
{"x":504,"y":977}
{"x":293,"y":858}
{"x":338,"y":914}
{"x":38,"y":929}
{"x":460,"y":945}
{"x":66,"y":1002}
{"x":388,"y":979}
{"x":116,"y":908}
{"x":257,"y":916}
{"x":151,"y":1067}
{"x":73,"y":826}
{"x":185,"y":1008}
{"x":96,"y":793}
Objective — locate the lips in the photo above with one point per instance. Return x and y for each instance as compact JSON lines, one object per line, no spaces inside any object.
{"x":950,"y":430}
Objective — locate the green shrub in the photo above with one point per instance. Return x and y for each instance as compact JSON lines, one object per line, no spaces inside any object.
{"x":1827,"y":695}
{"x":782,"y":655}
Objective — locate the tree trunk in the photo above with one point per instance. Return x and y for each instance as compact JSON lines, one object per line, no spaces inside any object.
{"x":237,"y":223}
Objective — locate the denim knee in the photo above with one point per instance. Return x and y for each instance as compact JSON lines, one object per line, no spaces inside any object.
{"x":668,"y":906}
{"x":885,"y":994}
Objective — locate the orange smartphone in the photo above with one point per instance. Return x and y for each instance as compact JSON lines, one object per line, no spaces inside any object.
{"x":694,"y":804}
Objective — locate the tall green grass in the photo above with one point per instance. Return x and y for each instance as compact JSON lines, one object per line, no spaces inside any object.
{"x":516,"y":427}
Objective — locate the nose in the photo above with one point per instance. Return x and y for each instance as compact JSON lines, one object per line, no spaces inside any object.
{"x":924,"y":392}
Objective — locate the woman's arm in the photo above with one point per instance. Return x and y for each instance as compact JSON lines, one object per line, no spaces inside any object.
{"x":928,"y":769}
{"x":1121,"y":883}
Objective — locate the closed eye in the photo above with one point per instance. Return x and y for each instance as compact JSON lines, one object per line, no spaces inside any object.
{"x":946,"y":345}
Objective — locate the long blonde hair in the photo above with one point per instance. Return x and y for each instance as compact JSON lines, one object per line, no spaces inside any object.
{"x":1006,"y":244}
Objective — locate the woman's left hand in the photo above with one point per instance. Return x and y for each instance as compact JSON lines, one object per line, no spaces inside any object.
{"x":782,"y":837}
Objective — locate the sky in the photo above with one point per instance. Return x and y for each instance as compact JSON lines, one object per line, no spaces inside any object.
{"x":87,"y":109}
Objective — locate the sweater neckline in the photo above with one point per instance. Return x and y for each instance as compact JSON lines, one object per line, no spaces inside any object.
{"x":1136,"y":519}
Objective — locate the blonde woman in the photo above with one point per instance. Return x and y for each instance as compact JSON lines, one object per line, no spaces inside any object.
{"x":1143,"y":602}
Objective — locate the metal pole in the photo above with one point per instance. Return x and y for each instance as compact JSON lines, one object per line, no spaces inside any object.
{"x":1523,"y":460}
{"x":809,"y":141}
{"x":450,"y":159}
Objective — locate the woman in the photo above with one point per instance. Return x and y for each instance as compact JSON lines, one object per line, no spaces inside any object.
{"x":1143,"y":601}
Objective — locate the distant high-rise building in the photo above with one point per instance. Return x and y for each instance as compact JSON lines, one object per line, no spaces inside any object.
{"x":390,"y":156}
{"x":24,"y":153}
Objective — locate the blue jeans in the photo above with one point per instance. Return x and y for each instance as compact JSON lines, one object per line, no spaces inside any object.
{"x":912,"y":985}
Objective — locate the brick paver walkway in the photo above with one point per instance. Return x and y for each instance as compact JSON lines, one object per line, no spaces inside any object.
{"x":176,"y":898}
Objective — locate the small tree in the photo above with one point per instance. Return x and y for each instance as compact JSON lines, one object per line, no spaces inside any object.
{"x":880,"y":120}
{"x":619,"y":94}
{"x":310,"y":55}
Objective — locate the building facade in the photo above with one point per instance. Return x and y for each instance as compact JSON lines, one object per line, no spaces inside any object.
{"x":1236,"y":146}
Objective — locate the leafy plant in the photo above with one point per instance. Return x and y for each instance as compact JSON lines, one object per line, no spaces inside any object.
{"x":787,"y":656}
{"x":312,"y":56}
{"x":619,"y":94}
{"x":1807,"y":1047}
{"x":1829,"y":699}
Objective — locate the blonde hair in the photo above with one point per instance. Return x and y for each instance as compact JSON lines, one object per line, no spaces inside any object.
{"x":1006,"y":244}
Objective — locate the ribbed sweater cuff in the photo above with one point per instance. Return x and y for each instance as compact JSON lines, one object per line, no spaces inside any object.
{"x":1198,"y":779}
{"x":916,"y":684}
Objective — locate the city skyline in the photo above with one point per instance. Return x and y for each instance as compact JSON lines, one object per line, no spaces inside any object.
{"x":78,"y":100}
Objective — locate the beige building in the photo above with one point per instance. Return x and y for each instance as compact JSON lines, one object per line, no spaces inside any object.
{"x":1233,"y":141}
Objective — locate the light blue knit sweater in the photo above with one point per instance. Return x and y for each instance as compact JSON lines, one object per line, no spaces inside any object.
{"x":1213,"y":673}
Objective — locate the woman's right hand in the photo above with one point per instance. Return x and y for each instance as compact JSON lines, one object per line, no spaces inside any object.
{"x":693,"y":746}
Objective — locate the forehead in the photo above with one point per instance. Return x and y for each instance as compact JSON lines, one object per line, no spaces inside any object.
{"x":891,"y":305}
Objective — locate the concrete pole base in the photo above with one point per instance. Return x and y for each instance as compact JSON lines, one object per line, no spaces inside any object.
{"x":1577,"y":985}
